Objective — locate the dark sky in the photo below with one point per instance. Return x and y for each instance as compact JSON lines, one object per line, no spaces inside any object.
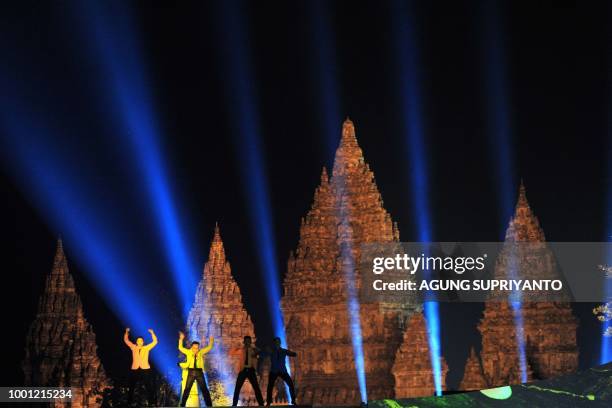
{"x":557,"y":90}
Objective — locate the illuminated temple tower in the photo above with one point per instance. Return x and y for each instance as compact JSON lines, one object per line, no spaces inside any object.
{"x":412,"y":368}
{"x":218,"y":311}
{"x":473,"y":375}
{"x":61,"y":348}
{"x":549,"y":327}
{"x":347,"y":211}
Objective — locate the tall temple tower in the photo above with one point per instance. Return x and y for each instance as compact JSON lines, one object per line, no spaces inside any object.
{"x":218,"y":311}
{"x":61,"y":348}
{"x":549,"y":328}
{"x":347,"y":211}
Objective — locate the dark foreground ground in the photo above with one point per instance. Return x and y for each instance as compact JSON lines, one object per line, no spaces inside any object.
{"x":588,"y":388}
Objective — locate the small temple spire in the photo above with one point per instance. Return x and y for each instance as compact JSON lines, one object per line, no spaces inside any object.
{"x":216,"y":240}
{"x":473,"y":375}
{"x":524,"y":225}
{"x":60,"y":276}
{"x":348,"y":133}
{"x":217,"y":234}
{"x":216,"y":254}
{"x":522,"y":198}
{"x":324,"y":176}
{"x":60,"y":256}
{"x":349,"y":156}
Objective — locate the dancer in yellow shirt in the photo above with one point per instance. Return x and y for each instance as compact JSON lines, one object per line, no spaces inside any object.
{"x":194,"y":364}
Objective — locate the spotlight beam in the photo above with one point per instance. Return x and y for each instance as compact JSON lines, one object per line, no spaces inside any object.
{"x":247,"y":132}
{"x":353,"y":305}
{"x":324,"y":67}
{"x":117,"y":51}
{"x":499,"y":132}
{"x":410,"y":96}
{"x":92,"y":237}
{"x":605,"y":353}
{"x":498,"y":124}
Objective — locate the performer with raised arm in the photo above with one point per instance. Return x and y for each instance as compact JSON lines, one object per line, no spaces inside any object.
{"x":248,"y":366}
{"x":278,"y":368}
{"x":194,"y":364}
{"x":140,"y":372}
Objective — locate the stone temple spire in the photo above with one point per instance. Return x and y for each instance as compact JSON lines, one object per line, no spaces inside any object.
{"x":347,"y":211}
{"x":524,"y":225}
{"x":324,"y":176}
{"x":60,"y":279}
{"x":216,"y":256}
{"x":349,"y":156}
{"x":412,"y":367}
{"x":218,"y":311}
{"x":473,"y":376}
{"x":549,"y":328}
{"x":61,"y":348}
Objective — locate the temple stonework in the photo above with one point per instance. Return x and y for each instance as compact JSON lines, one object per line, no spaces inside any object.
{"x":473,"y":375}
{"x":61,"y":348}
{"x":218,"y":311}
{"x":412,"y":368}
{"x":347,"y":211}
{"x":549,"y":328}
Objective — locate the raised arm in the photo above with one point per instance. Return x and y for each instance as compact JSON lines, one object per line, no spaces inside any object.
{"x":126,"y":338}
{"x":290,"y":353}
{"x":154,"y":337}
{"x":180,"y":343}
{"x":209,"y":346}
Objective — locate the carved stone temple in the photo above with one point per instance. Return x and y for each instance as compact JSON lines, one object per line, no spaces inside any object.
{"x":473,"y":377}
{"x":412,"y":368}
{"x":549,"y":328}
{"x":218,"y":311}
{"x":347,"y":211}
{"x":61,"y":348}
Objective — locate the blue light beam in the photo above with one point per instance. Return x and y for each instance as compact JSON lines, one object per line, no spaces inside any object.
{"x":246,"y":129}
{"x":353,"y":306}
{"x":499,"y":132}
{"x":124,"y":78}
{"x":605,"y":353}
{"x":324,"y":67}
{"x":56,"y":183}
{"x":498,"y":123}
{"x":407,"y":54}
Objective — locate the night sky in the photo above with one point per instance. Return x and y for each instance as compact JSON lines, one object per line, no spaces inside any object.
{"x":299,"y":59}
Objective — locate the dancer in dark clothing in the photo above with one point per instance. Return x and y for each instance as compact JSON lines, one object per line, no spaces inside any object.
{"x":278,"y":368}
{"x":248,"y":365}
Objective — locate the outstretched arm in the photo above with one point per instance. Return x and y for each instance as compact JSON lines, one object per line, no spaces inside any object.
{"x":126,"y":338}
{"x":180,"y":343}
{"x":209,"y":346}
{"x":154,"y":337}
{"x":290,"y":353}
